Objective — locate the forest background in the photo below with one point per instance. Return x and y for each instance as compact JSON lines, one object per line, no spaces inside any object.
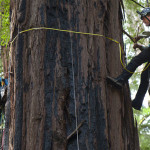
{"x":133,"y":26}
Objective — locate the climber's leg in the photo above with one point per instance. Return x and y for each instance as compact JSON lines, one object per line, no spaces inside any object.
{"x":137,"y":102}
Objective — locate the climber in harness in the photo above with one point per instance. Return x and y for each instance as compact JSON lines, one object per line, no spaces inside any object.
{"x":141,"y":58}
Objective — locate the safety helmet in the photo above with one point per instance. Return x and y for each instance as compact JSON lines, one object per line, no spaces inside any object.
{"x":144,"y":12}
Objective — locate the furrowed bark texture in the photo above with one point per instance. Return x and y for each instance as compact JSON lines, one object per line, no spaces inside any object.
{"x":42,"y":107}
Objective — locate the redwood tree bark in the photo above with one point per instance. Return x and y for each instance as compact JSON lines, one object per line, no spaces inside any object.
{"x":42,"y":107}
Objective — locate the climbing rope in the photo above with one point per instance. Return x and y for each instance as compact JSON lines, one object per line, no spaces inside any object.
{"x":82,"y":33}
{"x":74,"y":95}
{"x":74,"y":90}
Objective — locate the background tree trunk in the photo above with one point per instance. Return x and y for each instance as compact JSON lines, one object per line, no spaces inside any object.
{"x":42,"y":108}
{"x":5,"y":63}
{"x":5,"y":59}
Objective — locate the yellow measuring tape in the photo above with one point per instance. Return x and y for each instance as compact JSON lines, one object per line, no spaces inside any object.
{"x":83,"y":33}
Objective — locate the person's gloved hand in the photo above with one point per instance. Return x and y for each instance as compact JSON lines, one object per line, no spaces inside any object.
{"x":137,"y":38}
{"x":137,"y":46}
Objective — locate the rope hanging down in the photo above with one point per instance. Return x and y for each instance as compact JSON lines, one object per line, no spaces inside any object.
{"x":83,"y":33}
{"x":74,"y":95}
{"x":74,"y":90}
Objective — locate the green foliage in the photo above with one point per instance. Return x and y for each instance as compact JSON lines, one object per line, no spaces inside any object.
{"x":4,"y":39}
{"x":4,"y":26}
{"x":143,"y":124}
{"x":4,"y":22}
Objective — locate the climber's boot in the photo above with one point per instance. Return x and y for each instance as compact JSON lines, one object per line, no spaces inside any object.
{"x":136,"y":104}
{"x":117,"y":82}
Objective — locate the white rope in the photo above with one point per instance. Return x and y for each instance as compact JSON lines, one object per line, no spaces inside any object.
{"x":74,"y":91}
{"x":74,"y":95}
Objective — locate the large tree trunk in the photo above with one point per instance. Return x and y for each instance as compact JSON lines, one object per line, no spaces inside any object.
{"x":42,"y":87}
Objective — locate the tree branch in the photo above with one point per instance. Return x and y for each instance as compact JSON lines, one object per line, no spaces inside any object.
{"x":132,"y":39}
{"x":138,"y":3}
{"x":74,"y":132}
